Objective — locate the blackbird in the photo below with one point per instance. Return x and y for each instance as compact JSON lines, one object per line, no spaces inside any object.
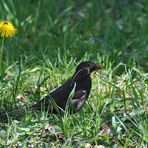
{"x":72,"y":93}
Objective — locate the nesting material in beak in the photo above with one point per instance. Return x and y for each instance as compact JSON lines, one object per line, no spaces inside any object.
{"x":97,"y":67}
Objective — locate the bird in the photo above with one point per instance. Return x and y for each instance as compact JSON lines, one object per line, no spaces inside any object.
{"x":73,"y":93}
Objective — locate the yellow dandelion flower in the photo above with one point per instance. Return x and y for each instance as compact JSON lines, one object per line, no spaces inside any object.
{"x":7,"y":29}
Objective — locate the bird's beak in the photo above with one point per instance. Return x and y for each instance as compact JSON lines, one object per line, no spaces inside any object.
{"x":97,"y":67}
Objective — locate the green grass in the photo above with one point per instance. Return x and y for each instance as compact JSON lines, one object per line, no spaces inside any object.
{"x":52,"y":38}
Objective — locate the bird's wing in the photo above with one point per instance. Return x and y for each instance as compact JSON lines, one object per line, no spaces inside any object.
{"x":78,"y":99}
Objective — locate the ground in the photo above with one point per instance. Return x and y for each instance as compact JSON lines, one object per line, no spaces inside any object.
{"x":52,"y":38}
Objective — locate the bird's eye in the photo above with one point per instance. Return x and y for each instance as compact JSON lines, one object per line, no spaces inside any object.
{"x":90,"y":64}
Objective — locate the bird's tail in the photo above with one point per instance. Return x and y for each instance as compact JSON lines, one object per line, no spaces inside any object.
{"x":16,"y":114}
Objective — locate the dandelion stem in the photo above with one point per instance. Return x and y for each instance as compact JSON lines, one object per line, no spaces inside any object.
{"x":1,"y":56}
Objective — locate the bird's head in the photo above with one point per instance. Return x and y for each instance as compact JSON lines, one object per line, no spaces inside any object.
{"x":89,"y":66}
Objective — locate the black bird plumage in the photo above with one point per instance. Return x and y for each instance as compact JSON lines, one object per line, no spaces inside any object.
{"x":80,"y":84}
